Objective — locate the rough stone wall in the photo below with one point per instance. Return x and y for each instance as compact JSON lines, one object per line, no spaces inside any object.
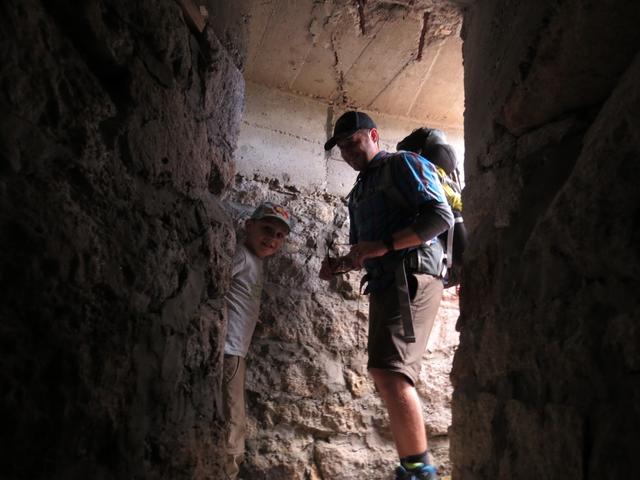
{"x":312,"y":407}
{"x":546,"y":376}
{"x":117,"y":129}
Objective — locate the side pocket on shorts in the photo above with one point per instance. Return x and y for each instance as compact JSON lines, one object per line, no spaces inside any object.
{"x":230,"y":367}
{"x":412,"y":283}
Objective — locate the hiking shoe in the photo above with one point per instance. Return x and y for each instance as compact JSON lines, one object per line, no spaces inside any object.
{"x":424,"y":472}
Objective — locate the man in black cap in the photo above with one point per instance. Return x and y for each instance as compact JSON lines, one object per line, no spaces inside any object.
{"x":397,"y":209}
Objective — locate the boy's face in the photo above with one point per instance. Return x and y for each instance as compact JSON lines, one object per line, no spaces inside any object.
{"x":265,"y":236}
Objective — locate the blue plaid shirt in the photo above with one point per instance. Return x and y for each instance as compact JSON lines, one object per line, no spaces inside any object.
{"x":374,"y":217}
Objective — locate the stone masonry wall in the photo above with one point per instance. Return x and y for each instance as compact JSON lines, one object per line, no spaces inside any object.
{"x":313,"y":411}
{"x":546,"y":376}
{"x":117,"y":129}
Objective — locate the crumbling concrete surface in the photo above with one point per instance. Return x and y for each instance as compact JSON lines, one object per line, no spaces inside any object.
{"x":401,"y":58}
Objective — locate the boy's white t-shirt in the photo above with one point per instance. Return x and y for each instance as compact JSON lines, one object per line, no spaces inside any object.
{"x":243,"y":301}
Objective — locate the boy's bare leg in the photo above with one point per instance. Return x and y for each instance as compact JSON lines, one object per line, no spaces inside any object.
{"x":405,"y":411}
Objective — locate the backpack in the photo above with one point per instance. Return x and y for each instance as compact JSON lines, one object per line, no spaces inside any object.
{"x":431,"y":144}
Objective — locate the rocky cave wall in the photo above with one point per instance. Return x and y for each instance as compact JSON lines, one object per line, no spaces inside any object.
{"x":312,"y":406}
{"x":546,"y":378}
{"x":118,"y":124}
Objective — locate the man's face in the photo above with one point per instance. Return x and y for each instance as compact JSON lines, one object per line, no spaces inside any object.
{"x":358,"y":149}
{"x":265,"y":236}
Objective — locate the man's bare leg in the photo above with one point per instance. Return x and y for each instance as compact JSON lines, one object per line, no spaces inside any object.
{"x":405,"y":411}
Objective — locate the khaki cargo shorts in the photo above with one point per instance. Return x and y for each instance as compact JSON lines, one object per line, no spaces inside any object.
{"x":386,"y":346}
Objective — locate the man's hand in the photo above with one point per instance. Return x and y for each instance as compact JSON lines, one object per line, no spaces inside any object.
{"x":354,"y":260}
{"x":364,"y":250}
{"x":334,"y":266}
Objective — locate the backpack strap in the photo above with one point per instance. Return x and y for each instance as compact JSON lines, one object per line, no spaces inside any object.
{"x":449,"y":254}
{"x":450,"y":235}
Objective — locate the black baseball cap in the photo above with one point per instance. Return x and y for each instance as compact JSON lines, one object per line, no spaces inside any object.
{"x":348,"y":124}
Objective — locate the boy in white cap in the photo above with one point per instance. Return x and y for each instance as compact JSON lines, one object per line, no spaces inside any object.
{"x":266,"y":232}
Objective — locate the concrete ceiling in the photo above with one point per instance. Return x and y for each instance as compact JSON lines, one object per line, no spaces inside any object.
{"x":399,"y":57}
